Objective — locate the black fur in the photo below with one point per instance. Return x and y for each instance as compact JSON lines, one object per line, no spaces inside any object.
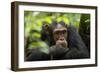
{"x":77,"y":48}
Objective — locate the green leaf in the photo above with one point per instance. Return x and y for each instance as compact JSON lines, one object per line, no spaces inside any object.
{"x":66,"y":20}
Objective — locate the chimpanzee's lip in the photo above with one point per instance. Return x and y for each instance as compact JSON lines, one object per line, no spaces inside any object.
{"x":61,"y":39}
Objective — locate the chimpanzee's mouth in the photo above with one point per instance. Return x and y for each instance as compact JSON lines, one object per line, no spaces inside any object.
{"x":61,"y":39}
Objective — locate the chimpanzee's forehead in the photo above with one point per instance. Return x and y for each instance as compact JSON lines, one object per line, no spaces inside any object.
{"x":59,"y":26}
{"x":60,"y":29}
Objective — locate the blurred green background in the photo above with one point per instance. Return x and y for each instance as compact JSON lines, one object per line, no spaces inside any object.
{"x":33,"y":25}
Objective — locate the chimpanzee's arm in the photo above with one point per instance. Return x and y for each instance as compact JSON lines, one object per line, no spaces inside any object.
{"x":57,"y":52}
{"x":37,"y":55}
{"x":76,"y":45}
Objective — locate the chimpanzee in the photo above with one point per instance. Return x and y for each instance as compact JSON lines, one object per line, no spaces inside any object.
{"x":64,"y":41}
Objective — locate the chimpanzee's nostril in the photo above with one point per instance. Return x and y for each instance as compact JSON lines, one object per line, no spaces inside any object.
{"x":61,"y":38}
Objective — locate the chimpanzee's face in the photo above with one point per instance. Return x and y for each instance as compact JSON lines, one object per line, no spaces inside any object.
{"x":60,"y":33}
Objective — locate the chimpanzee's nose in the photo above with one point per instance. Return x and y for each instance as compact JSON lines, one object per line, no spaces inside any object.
{"x":61,"y":38}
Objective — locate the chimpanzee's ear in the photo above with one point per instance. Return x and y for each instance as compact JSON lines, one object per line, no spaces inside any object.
{"x":45,"y":26}
{"x":46,"y":33}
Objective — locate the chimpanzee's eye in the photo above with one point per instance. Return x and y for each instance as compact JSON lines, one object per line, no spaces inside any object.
{"x":57,"y":32}
{"x":64,"y":31}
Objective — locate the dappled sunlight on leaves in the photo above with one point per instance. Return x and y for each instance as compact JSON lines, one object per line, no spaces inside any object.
{"x":33,"y":24}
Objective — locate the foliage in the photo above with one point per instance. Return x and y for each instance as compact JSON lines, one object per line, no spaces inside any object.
{"x":33,"y":24}
{"x":84,"y":29}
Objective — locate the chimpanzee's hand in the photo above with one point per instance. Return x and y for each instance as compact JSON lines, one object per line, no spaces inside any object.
{"x":62,"y":43}
{"x":58,"y":51}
